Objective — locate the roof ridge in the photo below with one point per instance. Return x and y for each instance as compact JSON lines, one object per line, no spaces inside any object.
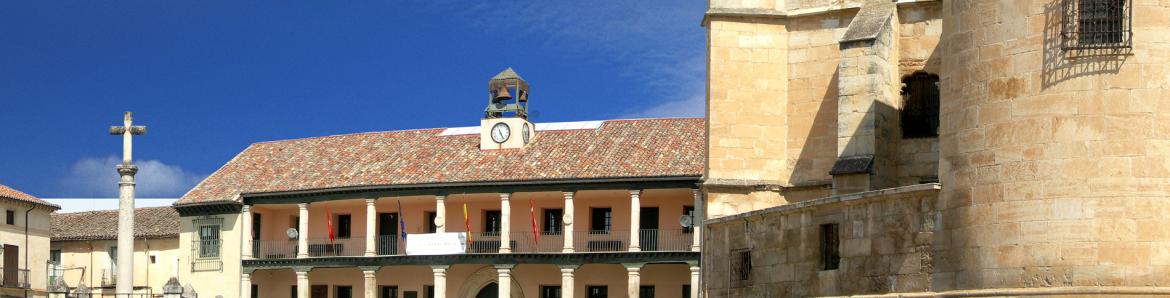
{"x":113,"y":210}
{"x":347,"y":134}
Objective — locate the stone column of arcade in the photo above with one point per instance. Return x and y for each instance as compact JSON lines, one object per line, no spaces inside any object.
{"x":440,"y":281}
{"x":505,"y":223}
{"x":504,"y":282}
{"x":371,"y":222}
{"x":568,"y":281}
{"x":696,"y":222}
{"x":634,"y":278}
{"x":303,"y":231}
{"x":246,"y":283}
{"x":567,"y":217}
{"x":635,"y":220}
{"x":369,"y":281}
{"x":440,"y":214}
{"x":302,"y":281}
{"x":246,"y":217}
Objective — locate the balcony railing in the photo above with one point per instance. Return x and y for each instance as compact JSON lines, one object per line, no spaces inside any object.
{"x":488,"y":242}
{"x":338,"y":247}
{"x":274,"y":249}
{"x":20,"y":280}
{"x":601,"y":241}
{"x":665,"y":240}
{"x":528,"y":243}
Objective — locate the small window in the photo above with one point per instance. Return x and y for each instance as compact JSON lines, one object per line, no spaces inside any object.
{"x":920,"y":105}
{"x":552,"y":221}
{"x":294,"y":292}
{"x":10,"y":217}
{"x":1097,"y":24}
{"x":596,"y":292}
{"x":491,"y":222}
{"x":343,"y":292}
{"x":344,"y":226}
{"x":741,"y":265}
{"x":689,"y":211}
{"x":208,"y":243}
{"x":255,"y":291}
{"x":256,"y":226}
{"x":153,"y":259}
{"x":55,"y":256}
{"x":602,"y":220}
{"x":830,"y":247}
{"x":686,"y":291}
{"x":430,"y":291}
{"x":431,"y":227}
{"x":550,"y":291}
{"x":389,"y":292}
{"x":646,"y":292}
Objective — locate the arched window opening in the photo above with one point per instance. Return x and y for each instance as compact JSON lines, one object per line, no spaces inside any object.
{"x":920,"y":105}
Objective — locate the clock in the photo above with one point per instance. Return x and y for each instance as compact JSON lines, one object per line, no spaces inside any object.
{"x":526,"y":133}
{"x":501,"y":133}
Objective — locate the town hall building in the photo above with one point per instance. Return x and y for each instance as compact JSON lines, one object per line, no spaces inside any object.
{"x":508,"y":208}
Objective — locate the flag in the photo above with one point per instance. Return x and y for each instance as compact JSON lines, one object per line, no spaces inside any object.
{"x":401,"y":221}
{"x":532,"y":214}
{"x":329,"y":223}
{"x":467,"y":223}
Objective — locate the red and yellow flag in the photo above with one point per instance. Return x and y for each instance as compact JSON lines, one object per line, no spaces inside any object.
{"x":467,"y":223}
{"x":532,"y":213}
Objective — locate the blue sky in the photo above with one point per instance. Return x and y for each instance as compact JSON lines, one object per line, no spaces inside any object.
{"x":210,"y":77}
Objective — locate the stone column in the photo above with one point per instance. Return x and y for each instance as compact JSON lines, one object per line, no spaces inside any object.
{"x":635,"y":220}
{"x":695,"y":270}
{"x":440,"y":280}
{"x":505,"y":223}
{"x":370,"y":281}
{"x":505,"y":279}
{"x":568,"y":281}
{"x":440,"y":214}
{"x":58,"y":289}
{"x":126,"y":229}
{"x":634,"y":278}
{"x":246,"y":283}
{"x":302,"y":281}
{"x":371,"y":228}
{"x":697,"y":222}
{"x":246,"y":218}
{"x":568,"y":220}
{"x":303,"y":232}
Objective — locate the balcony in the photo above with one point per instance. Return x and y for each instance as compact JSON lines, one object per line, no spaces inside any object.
{"x":487,"y":243}
{"x":16,"y":279}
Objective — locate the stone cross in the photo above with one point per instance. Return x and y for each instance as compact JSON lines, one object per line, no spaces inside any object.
{"x":126,"y":205}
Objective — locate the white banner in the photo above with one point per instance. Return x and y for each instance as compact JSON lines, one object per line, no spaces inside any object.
{"x":436,"y":244}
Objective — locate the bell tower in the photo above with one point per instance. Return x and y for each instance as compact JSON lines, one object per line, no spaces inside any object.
{"x":505,"y":120}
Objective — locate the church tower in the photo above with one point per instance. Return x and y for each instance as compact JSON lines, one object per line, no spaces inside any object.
{"x":505,"y":120}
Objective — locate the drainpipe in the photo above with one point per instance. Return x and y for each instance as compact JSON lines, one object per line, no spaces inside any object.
{"x":26,"y":251}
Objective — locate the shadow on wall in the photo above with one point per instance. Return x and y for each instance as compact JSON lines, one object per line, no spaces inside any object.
{"x":805,"y":167}
{"x":1060,"y":65}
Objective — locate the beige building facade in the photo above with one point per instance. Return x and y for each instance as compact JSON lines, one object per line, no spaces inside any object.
{"x":24,"y":234}
{"x":508,"y":208}
{"x":937,"y":148}
{"x":84,"y":250}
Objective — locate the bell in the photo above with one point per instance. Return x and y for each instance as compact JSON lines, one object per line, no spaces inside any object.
{"x":523,"y":96}
{"x":503,"y":94}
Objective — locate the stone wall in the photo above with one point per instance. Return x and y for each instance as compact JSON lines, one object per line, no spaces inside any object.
{"x":1056,"y":162}
{"x":885,"y":246}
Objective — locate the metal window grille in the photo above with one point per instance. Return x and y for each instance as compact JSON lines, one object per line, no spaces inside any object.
{"x":205,"y":250}
{"x":741,"y":264}
{"x":830,"y":246}
{"x":1097,"y":24}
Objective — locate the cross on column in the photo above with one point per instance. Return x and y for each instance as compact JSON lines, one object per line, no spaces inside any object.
{"x":126,"y":204}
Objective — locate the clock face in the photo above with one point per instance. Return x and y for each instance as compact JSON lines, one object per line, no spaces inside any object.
{"x":500,"y":133}
{"x":526,"y":133}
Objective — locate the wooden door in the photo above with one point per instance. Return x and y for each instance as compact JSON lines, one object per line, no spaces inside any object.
{"x":11,"y":265}
{"x":649,"y":225}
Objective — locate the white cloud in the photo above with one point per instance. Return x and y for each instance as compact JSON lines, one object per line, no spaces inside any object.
{"x":659,"y":43}
{"x":97,"y":177}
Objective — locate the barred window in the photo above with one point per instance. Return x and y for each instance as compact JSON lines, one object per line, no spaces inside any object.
{"x":1097,"y":24}
{"x":741,"y":265}
{"x":830,"y":246}
{"x":208,"y":230}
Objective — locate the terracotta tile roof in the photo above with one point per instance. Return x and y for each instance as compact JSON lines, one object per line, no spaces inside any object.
{"x":13,"y":194}
{"x":149,"y":223}
{"x":618,"y":149}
